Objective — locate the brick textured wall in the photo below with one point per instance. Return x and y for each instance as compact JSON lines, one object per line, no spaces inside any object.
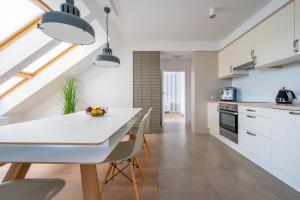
{"x":147,"y":86}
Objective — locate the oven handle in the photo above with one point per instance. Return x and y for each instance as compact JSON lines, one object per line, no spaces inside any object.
{"x":227,"y":112}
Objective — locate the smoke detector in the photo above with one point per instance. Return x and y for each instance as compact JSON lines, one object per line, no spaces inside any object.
{"x":212,"y":13}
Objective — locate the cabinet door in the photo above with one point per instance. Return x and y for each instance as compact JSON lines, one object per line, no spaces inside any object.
{"x":213,"y":117}
{"x":297,"y":26}
{"x":294,"y":131}
{"x":286,"y":141}
{"x":280,"y":140}
{"x":225,"y":62}
{"x":255,"y":145}
{"x":274,"y":38}
{"x":242,"y":49}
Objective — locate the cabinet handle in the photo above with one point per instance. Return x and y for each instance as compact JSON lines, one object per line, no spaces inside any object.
{"x":250,"y":110}
{"x":249,"y":133}
{"x":252,"y":54}
{"x":250,"y":116}
{"x":294,"y":113}
{"x":296,"y":46}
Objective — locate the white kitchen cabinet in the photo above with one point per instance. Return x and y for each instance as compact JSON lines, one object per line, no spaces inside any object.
{"x":225,"y":59}
{"x":274,"y":38}
{"x":255,"y":145}
{"x":256,"y":124}
{"x":294,"y":131}
{"x":297,"y":27}
{"x":286,"y":141}
{"x":242,"y":49}
{"x":255,"y":132}
{"x":280,"y":140}
{"x":250,"y":110}
{"x":213,"y":118}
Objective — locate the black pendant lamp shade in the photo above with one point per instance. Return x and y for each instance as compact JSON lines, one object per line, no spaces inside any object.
{"x":67,"y":26}
{"x":106,"y":59}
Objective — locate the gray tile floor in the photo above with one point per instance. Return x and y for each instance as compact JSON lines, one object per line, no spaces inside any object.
{"x":197,"y":167}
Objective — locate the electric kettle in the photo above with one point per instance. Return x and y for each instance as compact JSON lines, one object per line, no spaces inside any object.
{"x":285,"y":96}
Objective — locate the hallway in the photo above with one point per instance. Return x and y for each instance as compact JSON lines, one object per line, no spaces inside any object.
{"x":183,"y":166}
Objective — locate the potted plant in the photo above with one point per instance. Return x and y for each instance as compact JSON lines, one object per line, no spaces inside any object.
{"x":70,"y":95}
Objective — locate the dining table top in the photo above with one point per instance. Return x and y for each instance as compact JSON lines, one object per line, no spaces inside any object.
{"x":78,"y":128}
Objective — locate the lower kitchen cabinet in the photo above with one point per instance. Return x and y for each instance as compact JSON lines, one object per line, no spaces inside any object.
{"x":255,"y":145}
{"x":213,"y":118}
{"x":286,"y":141}
{"x":268,"y":137}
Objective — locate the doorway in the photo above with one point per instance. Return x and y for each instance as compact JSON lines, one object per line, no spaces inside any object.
{"x":174,"y":96}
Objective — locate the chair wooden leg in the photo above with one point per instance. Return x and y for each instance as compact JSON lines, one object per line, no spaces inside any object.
{"x":135,"y":188}
{"x":146,"y":143}
{"x":89,"y":180}
{"x":17,"y":171}
{"x":105,"y":178}
{"x":146,"y":152}
{"x":113,"y":171}
{"x":140,"y":168}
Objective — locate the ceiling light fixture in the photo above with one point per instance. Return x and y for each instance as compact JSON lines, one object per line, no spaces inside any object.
{"x":106,"y":59}
{"x":67,"y":26}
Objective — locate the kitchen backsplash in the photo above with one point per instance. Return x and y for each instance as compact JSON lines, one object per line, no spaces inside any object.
{"x":263,"y":85}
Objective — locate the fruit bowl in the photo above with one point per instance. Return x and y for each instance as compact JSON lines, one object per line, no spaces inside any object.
{"x":96,"y":112}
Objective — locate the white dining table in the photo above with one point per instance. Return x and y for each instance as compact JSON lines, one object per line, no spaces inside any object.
{"x":76,"y":138}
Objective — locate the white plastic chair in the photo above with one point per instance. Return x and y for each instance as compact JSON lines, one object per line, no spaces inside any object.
{"x":126,"y":151}
{"x":31,"y":189}
{"x":133,"y":133}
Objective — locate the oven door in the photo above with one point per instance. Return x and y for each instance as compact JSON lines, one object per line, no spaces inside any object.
{"x":229,"y":120}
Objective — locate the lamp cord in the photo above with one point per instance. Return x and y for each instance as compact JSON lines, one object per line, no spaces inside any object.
{"x":107,"y":28}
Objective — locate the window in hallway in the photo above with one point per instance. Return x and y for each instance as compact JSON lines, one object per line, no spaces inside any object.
{"x":174,"y":96}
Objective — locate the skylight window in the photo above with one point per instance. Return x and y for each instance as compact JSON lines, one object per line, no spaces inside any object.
{"x":46,"y":58}
{"x":15,"y":14}
{"x":10,"y":84}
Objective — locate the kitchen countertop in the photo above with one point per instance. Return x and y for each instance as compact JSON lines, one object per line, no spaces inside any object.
{"x":272,"y":105}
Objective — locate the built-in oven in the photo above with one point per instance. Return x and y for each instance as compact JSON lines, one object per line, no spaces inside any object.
{"x":229,"y":121}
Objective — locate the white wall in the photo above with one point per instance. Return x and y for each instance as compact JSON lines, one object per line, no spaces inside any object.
{"x":181,"y":65}
{"x":98,"y":86}
{"x":111,"y":87}
{"x":263,"y":85}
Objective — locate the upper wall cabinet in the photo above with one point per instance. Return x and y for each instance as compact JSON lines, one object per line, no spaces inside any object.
{"x":243,"y":50}
{"x":224,"y":58}
{"x":297,"y":27}
{"x":231,"y":57}
{"x":274,"y":38}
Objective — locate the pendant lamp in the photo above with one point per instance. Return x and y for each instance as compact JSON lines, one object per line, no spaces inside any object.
{"x":106,"y":59}
{"x":67,"y":26}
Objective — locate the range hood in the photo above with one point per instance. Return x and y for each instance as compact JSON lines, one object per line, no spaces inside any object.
{"x":246,"y":66}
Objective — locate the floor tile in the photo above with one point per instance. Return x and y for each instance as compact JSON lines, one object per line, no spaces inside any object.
{"x":185,"y":184}
{"x":238,"y":184}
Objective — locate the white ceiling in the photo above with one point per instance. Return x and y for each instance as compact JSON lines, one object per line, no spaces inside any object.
{"x":182,"y":20}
